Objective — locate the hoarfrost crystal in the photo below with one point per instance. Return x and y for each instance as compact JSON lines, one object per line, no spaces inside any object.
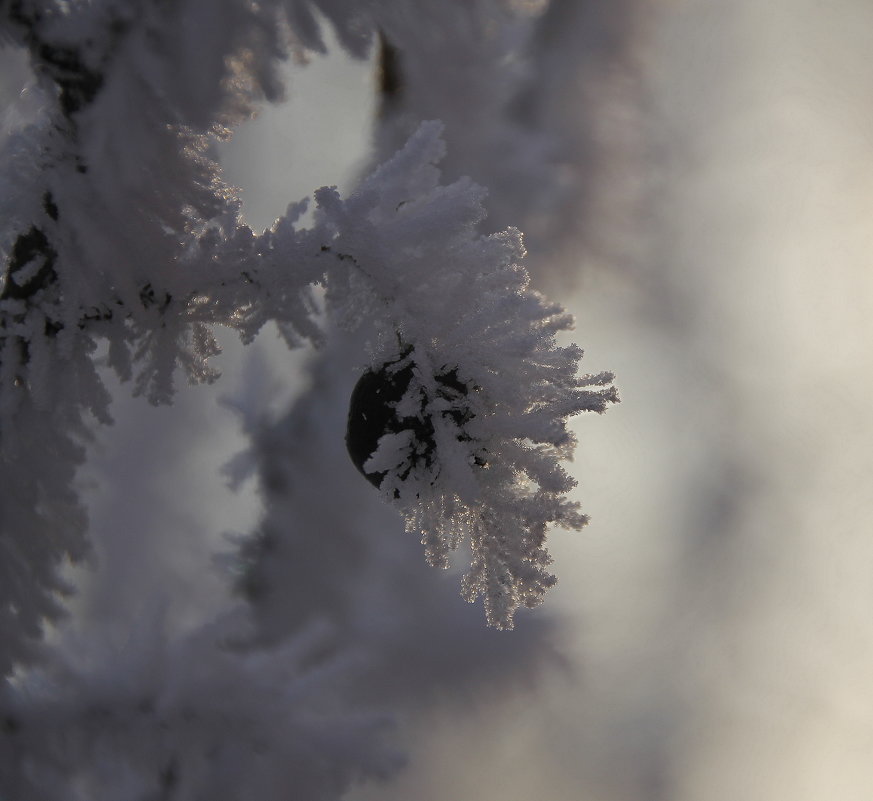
{"x":470,"y":426}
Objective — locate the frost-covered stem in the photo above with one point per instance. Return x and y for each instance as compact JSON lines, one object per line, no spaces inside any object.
{"x":476,"y":454}
{"x":122,"y":232}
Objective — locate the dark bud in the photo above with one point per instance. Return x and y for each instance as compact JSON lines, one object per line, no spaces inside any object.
{"x":373,"y":413}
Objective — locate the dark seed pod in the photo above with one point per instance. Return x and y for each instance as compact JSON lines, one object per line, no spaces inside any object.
{"x":373,"y":413}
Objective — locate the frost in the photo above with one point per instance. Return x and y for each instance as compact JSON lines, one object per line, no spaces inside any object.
{"x":119,"y":238}
{"x":119,"y":235}
{"x":392,"y":454}
{"x":476,"y":457}
{"x":201,"y":715}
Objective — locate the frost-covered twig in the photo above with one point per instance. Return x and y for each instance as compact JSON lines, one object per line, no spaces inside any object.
{"x":475,"y":388}
{"x":200,"y":715}
{"x":119,"y":234}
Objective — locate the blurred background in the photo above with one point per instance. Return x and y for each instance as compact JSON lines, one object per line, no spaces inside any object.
{"x":713,"y":622}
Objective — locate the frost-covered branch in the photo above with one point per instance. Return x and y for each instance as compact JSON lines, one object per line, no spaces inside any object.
{"x":200,"y":715}
{"x":462,"y":422}
{"x":119,"y":237}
